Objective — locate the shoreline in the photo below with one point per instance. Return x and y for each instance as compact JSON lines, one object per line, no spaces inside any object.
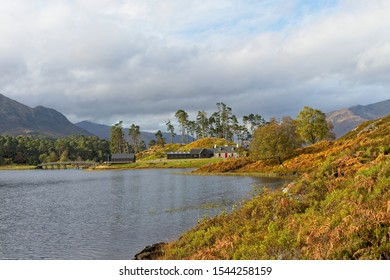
{"x":238,"y":174}
{"x":17,"y":167}
{"x":141,"y":164}
{"x":194,"y":164}
{"x":153,"y":165}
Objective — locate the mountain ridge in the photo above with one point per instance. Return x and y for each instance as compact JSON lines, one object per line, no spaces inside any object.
{"x":346,"y":119}
{"x":19,"y":119}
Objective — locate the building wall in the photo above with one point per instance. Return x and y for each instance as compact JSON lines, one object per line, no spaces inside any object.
{"x":226,"y":155}
{"x":121,"y":158}
{"x":206,"y":153}
{"x":179,"y":156}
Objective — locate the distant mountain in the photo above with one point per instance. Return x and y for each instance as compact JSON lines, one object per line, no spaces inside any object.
{"x":345,"y":120}
{"x":100,"y":130}
{"x":103,"y":131}
{"x":372,"y":111}
{"x":19,"y":119}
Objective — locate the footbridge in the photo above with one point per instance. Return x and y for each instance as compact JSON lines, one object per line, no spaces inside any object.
{"x":67,"y":164}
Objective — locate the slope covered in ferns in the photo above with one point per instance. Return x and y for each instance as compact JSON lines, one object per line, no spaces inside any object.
{"x":337,"y":207}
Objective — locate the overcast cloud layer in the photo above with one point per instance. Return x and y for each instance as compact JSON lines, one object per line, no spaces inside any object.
{"x":140,"y":61}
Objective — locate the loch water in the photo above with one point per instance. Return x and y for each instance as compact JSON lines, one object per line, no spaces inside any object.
{"x":108,"y":215}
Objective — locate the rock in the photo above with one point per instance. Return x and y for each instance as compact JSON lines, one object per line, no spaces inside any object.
{"x":150,"y":252}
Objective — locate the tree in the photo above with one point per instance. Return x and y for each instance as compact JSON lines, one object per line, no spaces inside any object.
{"x":159,"y":138}
{"x":191,"y":128}
{"x":220,"y":122}
{"x":64,"y":156}
{"x":312,"y":125}
{"x":53,"y":156}
{"x":182,"y":118}
{"x":236,"y":128}
{"x":214,"y":125}
{"x":202,"y":124}
{"x":275,"y":140}
{"x":290,"y":137}
{"x":118,"y":144}
{"x":135,"y":136}
{"x":152,"y":143}
{"x":33,"y":150}
{"x":224,"y":115}
{"x":252,"y":122}
{"x":243,"y":134}
{"x":171,"y":130}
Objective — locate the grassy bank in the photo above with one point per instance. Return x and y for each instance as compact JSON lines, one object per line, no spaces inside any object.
{"x":337,"y":208}
{"x":17,"y":167}
{"x":140,"y":164}
{"x":161,"y":163}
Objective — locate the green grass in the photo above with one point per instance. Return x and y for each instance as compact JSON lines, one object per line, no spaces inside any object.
{"x":161,"y":163}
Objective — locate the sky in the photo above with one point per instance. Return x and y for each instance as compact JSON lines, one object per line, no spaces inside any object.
{"x":140,"y":61}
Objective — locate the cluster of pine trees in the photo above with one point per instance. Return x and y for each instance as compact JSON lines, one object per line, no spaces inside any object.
{"x":119,"y":144}
{"x":220,"y":124}
{"x":34,"y":150}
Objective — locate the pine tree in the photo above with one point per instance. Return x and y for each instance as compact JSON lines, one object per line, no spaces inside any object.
{"x":171,"y":130}
{"x":182,"y":118}
{"x":118,"y":144}
{"x":202,"y":124}
{"x":135,"y":136}
{"x":159,"y":138}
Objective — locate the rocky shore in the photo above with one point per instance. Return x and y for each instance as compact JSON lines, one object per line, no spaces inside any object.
{"x":151,"y":252}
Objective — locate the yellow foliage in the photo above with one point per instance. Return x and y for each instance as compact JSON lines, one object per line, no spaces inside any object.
{"x":206,"y":143}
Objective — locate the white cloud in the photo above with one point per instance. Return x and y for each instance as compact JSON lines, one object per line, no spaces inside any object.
{"x":373,"y":65}
{"x":132,"y":60}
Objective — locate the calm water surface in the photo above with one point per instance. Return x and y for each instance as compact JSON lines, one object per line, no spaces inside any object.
{"x":74,"y":214}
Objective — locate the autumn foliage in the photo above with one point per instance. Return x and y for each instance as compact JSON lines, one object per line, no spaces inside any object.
{"x":337,"y":207}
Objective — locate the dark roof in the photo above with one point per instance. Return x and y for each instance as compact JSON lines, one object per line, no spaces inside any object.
{"x":196,"y":151}
{"x":201,"y":151}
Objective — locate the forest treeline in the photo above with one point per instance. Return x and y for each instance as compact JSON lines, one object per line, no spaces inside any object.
{"x":265,"y":139}
{"x":33,"y":150}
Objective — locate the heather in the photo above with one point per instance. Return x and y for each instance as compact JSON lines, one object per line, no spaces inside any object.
{"x":336,"y":207}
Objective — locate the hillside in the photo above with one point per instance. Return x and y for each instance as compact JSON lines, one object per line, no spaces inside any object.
{"x":344,"y":120}
{"x":103,"y":132}
{"x":336,"y":207}
{"x":19,"y":119}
